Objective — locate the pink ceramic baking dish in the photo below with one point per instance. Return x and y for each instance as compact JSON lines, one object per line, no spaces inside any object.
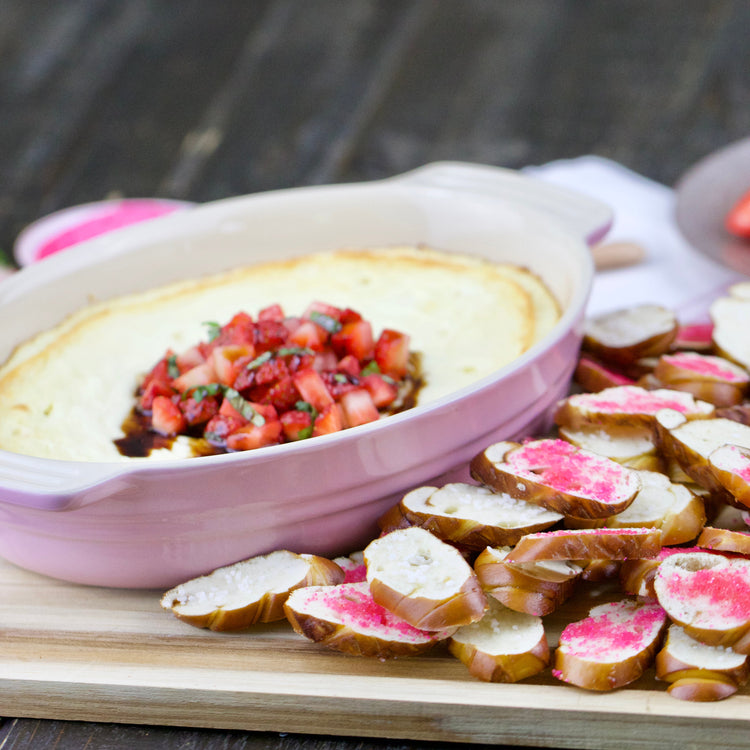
{"x":152,"y":525}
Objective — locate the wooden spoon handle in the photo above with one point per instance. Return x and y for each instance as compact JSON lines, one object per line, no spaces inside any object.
{"x":617,"y":255}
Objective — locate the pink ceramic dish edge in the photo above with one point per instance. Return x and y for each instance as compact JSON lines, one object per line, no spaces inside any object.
{"x":151,"y":525}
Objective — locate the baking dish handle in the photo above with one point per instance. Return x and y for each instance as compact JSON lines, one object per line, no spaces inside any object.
{"x":47,"y":484}
{"x":584,"y":217}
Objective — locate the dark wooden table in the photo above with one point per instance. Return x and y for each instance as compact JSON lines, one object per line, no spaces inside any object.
{"x":201,"y":100}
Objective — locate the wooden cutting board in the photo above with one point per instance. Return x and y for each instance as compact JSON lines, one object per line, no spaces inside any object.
{"x":93,"y":654}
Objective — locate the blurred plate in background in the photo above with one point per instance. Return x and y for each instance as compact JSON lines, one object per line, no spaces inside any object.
{"x":705,"y":194}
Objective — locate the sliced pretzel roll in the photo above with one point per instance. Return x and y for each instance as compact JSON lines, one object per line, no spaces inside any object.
{"x":353,"y":566}
{"x":730,"y":467}
{"x":504,"y":646}
{"x":691,"y":443}
{"x":559,"y":476}
{"x":596,"y":571}
{"x":724,"y":540}
{"x":595,"y":376}
{"x":698,"y":672}
{"x":670,"y":507}
{"x":623,"y":336}
{"x":248,"y":592}
{"x":707,"y":377}
{"x":520,"y":587}
{"x":611,"y":647}
{"x":474,"y":517}
{"x":731,"y":318}
{"x":423,"y":580}
{"x":346,"y":618}
{"x":707,"y":594}
{"x":587,"y":544}
{"x":637,"y":575}
{"x":628,"y":406}
{"x":631,"y":448}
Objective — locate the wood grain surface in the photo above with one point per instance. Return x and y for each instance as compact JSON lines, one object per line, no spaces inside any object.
{"x":202,"y":100}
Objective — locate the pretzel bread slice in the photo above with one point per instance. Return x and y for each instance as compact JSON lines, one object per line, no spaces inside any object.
{"x":521,"y":587}
{"x":698,"y":672}
{"x":611,"y":647}
{"x":470,"y":516}
{"x":248,"y":592}
{"x":346,"y":618}
{"x":504,"y":646}
{"x":559,"y":476}
{"x":627,"y":406}
{"x":587,"y":544}
{"x":423,"y":580}
{"x":707,"y":594}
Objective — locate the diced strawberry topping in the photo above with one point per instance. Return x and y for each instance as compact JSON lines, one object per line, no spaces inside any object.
{"x":166,"y":417}
{"x":152,"y":390}
{"x":269,"y":335}
{"x":220,"y":427}
{"x":309,"y":335}
{"x":329,"y":420}
{"x":392,"y":353}
{"x":312,"y":388}
{"x":252,"y":436}
{"x":239,"y":330}
{"x":382,"y":391}
{"x":276,"y":378}
{"x":227,"y":361}
{"x":283,"y":394}
{"x":296,"y":424}
{"x":358,"y":407}
{"x":354,"y":338}
{"x":199,"y":412}
{"x":198,"y":375}
{"x":272,"y":312}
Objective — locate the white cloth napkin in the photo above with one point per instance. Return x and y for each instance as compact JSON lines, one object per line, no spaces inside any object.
{"x":673,"y":273}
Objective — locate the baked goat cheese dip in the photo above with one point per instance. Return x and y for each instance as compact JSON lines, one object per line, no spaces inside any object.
{"x":66,"y":393}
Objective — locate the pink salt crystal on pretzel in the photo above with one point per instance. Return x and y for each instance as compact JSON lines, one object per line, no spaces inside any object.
{"x":708,"y":595}
{"x":559,"y":476}
{"x":611,"y":647}
{"x":627,"y":405}
{"x":346,"y":618}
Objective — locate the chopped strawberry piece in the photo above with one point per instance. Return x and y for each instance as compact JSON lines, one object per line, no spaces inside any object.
{"x":220,"y":427}
{"x":228,"y":410}
{"x":309,"y":336}
{"x":392,"y":353}
{"x":239,"y":330}
{"x":199,"y":412}
{"x":198,"y":375}
{"x":190,"y":358}
{"x":349,"y":316}
{"x":270,"y":335}
{"x":227,"y":361}
{"x":325,"y":360}
{"x":166,"y":417}
{"x":296,"y":424}
{"x":272,"y":312}
{"x":354,"y":338}
{"x":271,"y":371}
{"x":312,"y":388}
{"x":382,"y":392}
{"x":338,"y":383}
{"x":349,"y":365}
{"x":283,"y":395}
{"x":329,"y":420}
{"x":153,"y":389}
{"x":252,"y":436}
{"x":322,"y":308}
{"x":358,"y":407}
